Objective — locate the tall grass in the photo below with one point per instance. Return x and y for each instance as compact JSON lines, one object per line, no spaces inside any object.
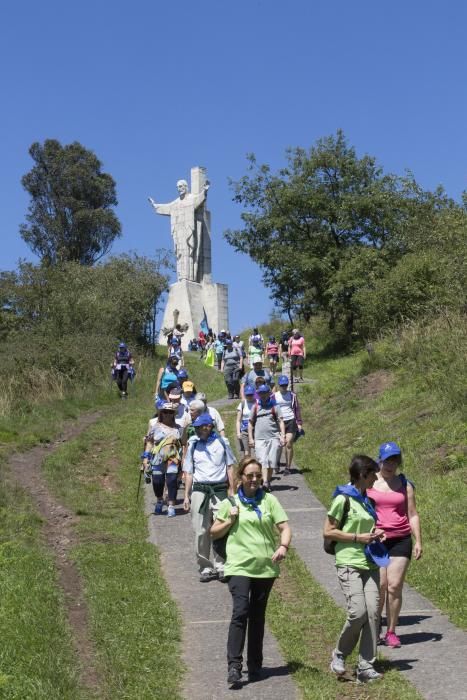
{"x":435,"y":352}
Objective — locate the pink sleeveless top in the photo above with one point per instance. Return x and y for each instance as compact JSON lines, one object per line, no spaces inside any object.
{"x":391,"y":510}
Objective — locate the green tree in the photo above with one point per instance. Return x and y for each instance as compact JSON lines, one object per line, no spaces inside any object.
{"x":327,"y":225}
{"x":70,"y":216}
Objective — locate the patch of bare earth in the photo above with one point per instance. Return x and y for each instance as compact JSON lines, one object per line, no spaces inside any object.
{"x":374,"y":384}
{"x":59,"y":535}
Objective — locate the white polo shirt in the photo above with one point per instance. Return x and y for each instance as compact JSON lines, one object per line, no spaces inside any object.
{"x":209,"y":461}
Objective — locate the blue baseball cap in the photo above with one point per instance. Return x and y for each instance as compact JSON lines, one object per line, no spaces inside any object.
{"x":388,"y":449}
{"x":249,"y":390}
{"x":183,"y":374}
{"x":263,"y":389}
{"x":377,"y":552}
{"x":122,"y":345}
{"x":203,"y":419}
{"x":283,"y":380}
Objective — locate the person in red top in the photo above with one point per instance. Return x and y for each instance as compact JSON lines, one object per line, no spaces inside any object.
{"x":394,"y":498}
{"x":297,"y":354}
{"x":272,"y":351}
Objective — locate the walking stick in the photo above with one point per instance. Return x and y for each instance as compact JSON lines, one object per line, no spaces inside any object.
{"x":139,"y":484}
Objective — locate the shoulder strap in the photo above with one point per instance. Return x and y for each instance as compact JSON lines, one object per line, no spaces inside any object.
{"x":345,"y":512}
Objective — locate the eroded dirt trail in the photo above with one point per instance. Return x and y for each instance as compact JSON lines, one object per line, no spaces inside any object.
{"x":59,"y":536}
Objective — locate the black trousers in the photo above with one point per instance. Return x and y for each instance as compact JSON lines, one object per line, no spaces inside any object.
{"x":122,"y":378}
{"x":232,"y":380}
{"x":249,"y":598}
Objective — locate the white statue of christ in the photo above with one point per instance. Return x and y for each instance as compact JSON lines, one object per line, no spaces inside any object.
{"x":186,"y":230}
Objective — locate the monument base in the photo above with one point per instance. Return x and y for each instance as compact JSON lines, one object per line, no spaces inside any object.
{"x":191,"y":299}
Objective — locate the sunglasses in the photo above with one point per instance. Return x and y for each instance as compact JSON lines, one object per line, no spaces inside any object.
{"x":251,"y":477}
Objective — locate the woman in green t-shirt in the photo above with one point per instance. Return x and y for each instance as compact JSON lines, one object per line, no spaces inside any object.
{"x":252,"y":564}
{"x":353,"y":527}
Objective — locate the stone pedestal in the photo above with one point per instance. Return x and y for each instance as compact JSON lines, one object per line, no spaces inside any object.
{"x":191,"y":299}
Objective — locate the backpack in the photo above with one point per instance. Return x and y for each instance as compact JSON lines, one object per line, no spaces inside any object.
{"x":254,"y":412}
{"x":220,"y":545}
{"x":329,"y":545}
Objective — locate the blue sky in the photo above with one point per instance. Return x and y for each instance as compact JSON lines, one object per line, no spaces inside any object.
{"x":157,"y":87}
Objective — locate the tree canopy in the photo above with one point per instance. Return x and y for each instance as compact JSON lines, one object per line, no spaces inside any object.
{"x":329,"y":227}
{"x":70,"y":216}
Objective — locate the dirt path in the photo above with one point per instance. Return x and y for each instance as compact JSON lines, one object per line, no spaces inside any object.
{"x":58,"y":532}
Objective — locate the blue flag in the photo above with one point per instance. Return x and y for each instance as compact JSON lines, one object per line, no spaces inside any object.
{"x":204,"y":323}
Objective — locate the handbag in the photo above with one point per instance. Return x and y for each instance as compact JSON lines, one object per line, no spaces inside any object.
{"x":219,"y":546}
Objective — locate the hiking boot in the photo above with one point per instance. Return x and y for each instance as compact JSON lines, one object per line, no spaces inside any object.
{"x":337,"y":663}
{"x":171,"y":512}
{"x":158,"y":508}
{"x":234,"y":676}
{"x":392,"y":640}
{"x":367,"y":675}
{"x":208,"y":575}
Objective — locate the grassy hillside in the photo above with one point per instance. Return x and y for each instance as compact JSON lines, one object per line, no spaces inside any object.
{"x":348,"y":412}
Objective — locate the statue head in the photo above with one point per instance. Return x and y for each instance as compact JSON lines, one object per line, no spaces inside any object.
{"x":182,"y":187}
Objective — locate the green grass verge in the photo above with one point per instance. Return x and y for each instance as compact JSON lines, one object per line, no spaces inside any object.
{"x":134,"y":623}
{"x":36,"y":654}
{"x":347,"y":413}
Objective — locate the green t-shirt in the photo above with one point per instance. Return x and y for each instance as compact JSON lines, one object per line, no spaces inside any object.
{"x":358,"y":522}
{"x":252,"y":541}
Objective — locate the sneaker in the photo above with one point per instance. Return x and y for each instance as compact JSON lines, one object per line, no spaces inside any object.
{"x":367,"y":675}
{"x":158,"y":508}
{"x":234,"y":676}
{"x":277,"y":470}
{"x":207,"y":575}
{"x":171,"y":512}
{"x":337,"y":663}
{"x":392,"y":640}
{"x":286,"y":472}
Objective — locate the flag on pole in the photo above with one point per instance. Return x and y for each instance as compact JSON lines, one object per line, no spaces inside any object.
{"x":204,"y":323}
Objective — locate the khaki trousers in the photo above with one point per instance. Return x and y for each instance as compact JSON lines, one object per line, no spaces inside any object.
{"x":361,"y":590}
{"x":201,"y":523}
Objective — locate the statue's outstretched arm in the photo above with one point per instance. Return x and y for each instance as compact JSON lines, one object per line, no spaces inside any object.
{"x":164,"y":209}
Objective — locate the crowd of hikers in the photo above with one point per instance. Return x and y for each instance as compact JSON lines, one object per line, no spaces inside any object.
{"x":241,"y":531}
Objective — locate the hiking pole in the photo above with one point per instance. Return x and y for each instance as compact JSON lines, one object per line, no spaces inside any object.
{"x":139,"y":484}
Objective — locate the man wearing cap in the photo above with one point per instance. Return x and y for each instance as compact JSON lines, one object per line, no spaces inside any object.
{"x":209,"y":479}
{"x":290,"y":409}
{"x":243,"y":416}
{"x":181,"y":415}
{"x":251,"y":376}
{"x":231,"y":366}
{"x":266,"y":433}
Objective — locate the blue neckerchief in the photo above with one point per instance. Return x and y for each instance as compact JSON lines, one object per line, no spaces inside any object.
{"x":213,"y":436}
{"x":350,"y":490}
{"x":252,"y":501}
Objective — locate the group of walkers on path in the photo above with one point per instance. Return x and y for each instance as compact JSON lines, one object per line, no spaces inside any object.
{"x":241,"y":531}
